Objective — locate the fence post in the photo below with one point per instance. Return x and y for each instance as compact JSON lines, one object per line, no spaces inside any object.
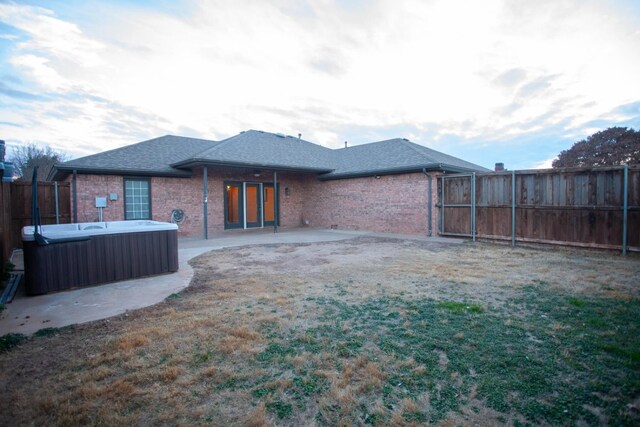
{"x":205,"y":201}
{"x":75,"y":196}
{"x":57,"y":208}
{"x":276,"y":202}
{"x":6,"y":231}
{"x":625,"y":208}
{"x":513,"y":208}
{"x":429,"y":208}
{"x":473,"y":206}
{"x":442,"y":205}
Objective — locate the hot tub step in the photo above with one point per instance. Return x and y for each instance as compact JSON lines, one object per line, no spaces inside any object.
{"x":12,"y":286}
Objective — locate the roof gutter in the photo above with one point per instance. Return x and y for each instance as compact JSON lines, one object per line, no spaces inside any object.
{"x":207,"y":162}
{"x":62,"y":172}
{"x":397,"y":171}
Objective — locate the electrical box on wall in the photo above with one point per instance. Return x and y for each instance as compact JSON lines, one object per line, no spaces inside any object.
{"x":101,"y":202}
{"x":113,"y":196}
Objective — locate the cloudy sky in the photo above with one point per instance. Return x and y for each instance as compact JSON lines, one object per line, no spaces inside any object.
{"x":488,"y":81}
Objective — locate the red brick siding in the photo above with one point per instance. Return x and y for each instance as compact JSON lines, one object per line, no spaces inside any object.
{"x":186,"y":194}
{"x":395,"y":203}
{"x":92,"y":186}
{"x":392,"y":203}
{"x":292,"y":204}
{"x":168,"y":194}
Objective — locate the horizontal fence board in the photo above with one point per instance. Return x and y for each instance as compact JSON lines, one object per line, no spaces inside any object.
{"x":582,"y":207}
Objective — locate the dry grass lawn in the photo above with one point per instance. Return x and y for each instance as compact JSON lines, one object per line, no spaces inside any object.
{"x":366,"y":331}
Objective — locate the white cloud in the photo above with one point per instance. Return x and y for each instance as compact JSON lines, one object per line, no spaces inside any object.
{"x":40,"y":70}
{"x":492,"y":70}
{"x":50,"y":35}
{"x":545,"y":164}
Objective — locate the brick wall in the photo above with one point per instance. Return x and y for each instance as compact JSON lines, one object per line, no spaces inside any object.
{"x":168,"y":194}
{"x":394,"y":203}
{"x":187,"y":194}
{"x":91,"y":186}
{"x":292,"y":201}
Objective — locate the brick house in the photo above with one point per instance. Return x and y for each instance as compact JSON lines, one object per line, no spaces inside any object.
{"x":259,"y":179}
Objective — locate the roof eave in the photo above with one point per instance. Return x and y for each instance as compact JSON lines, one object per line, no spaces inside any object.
{"x":431,"y":167}
{"x":57,"y":173}
{"x":207,"y":162}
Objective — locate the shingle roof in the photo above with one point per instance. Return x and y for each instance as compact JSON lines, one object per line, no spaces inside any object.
{"x":151,"y":157}
{"x":394,"y":156}
{"x":256,"y":148}
{"x":175,"y":156}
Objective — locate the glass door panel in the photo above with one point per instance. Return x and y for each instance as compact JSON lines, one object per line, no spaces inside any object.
{"x":269,"y":211}
{"x":253,"y":205}
{"x":233,"y":206}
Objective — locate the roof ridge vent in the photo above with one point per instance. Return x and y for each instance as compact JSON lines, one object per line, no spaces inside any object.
{"x":280,"y":135}
{"x":406,"y":139}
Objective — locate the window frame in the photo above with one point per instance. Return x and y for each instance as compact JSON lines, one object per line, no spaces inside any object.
{"x":124,"y":193}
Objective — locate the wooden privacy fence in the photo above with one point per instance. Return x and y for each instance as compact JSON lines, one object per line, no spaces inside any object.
{"x":15,"y":208}
{"x":590,"y":207}
{"x":5,"y":221}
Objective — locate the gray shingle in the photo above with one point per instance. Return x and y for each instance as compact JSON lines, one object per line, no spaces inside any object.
{"x":394,"y":155}
{"x":265,"y":149}
{"x":175,"y":155}
{"x":152,"y":157}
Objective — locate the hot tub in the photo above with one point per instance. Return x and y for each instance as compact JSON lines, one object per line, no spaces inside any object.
{"x":86,"y":254}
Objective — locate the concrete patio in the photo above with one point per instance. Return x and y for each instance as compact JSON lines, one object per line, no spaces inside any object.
{"x":27,"y":315}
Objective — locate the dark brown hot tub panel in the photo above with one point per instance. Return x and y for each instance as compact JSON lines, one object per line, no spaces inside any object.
{"x":101,"y":259}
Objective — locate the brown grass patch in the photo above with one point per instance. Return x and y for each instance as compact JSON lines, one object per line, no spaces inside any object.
{"x":209,"y":371}
{"x":169,"y":374}
{"x":120,"y":390}
{"x":258,"y":417}
{"x":99,"y":373}
{"x":245,"y":333}
{"x":202,"y":352}
{"x":420,"y":369}
{"x":443,"y":360}
{"x":131,"y":342}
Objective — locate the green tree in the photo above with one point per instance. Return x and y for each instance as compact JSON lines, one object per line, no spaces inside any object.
{"x":26,"y":157}
{"x":610,"y":147}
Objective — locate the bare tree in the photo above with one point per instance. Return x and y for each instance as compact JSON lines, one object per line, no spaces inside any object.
{"x":610,"y":147}
{"x":26,"y":157}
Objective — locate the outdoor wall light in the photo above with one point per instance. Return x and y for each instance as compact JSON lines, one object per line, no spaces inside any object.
{"x":286,"y":190}
{"x":377,"y":177}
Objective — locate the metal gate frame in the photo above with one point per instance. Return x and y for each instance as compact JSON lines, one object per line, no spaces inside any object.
{"x":472,"y":206}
